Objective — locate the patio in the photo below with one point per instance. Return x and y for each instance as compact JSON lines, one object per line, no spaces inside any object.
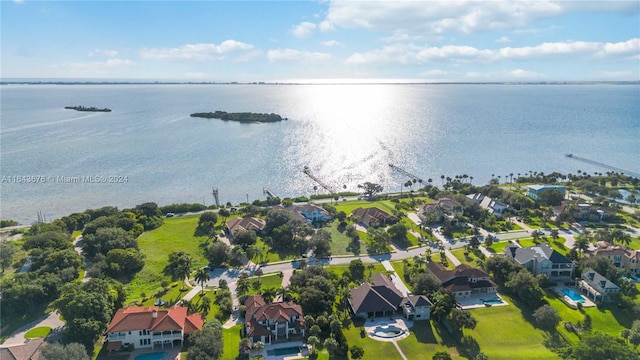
{"x":401,"y":323}
{"x":481,"y":300}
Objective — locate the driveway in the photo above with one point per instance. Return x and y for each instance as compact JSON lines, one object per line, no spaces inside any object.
{"x":51,"y":320}
{"x":395,"y":279}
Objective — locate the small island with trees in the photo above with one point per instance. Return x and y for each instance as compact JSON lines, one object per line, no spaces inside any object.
{"x":245,"y":117}
{"x":84,"y":108}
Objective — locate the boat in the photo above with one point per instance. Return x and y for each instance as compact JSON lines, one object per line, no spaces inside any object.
{"x":568,"y":155}
{"x":84,"y":108}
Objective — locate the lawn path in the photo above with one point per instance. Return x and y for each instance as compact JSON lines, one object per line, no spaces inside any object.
{"x":395,"y":343}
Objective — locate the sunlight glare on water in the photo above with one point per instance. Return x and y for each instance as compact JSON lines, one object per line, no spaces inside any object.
{"x":348,"y":135}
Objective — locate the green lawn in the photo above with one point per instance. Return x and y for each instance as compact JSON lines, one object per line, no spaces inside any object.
{"x":339,"y":269}
{"x":425,"y":340}
{"x":470,"y":260}
{"x":349,"y":206}
{"x":503,"y":333}
{"x":176,"y":234}
{"x":231,"y":338}
{"x":372,"y":349}
{"x":557,"y":245}
{"x":609,"y":318}
{"x":340,"y":242}
{"x":498,"y":247}
{"x":272,"y":280}
{"x":38,"y":332}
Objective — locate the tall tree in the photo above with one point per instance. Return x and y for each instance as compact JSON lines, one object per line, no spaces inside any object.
{"x":202,"y":276}
{"x":6,"y":254}
{"x":547,"y":317}
{"x":71,"y":351}
{"x":207,"y":343}
{"x":218,"y":253}
{"x":179,"y":265}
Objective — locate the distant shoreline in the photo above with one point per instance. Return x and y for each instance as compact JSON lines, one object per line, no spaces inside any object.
{"x":310,"y":82}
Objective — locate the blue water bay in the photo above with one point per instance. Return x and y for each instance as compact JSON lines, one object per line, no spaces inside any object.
{"x":346,"y":134}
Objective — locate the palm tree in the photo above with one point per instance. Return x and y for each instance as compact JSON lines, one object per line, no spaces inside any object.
{"x":205,"y":306}
{"x":581,"y":244}
{"x":345,"y":295}
{"x":244,"y":345}
{"x":370,"y":267}
{"x":252,"y":251}
{"x":202,"y":276}
{"x":269,"y":294}
{"x":284,"y":292}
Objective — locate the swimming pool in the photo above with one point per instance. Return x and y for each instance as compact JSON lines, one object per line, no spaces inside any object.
{"x":284,"y":351}
{"x":151,"y":356}
{"x":388,"y":331}
{"x":492,"y":301}
{"x":574,"y":296}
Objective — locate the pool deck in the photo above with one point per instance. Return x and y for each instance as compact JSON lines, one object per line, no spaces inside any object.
{"x":476,"y":301}
{"x":399,"y":322}
{"x":270,"y":347}
{"x":567,"y":300}
{"x":170,"y":353}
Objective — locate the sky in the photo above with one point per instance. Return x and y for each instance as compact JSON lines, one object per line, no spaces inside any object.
{"x":323,"y":41}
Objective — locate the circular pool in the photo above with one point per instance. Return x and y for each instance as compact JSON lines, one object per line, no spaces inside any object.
{"x":387,"y":331}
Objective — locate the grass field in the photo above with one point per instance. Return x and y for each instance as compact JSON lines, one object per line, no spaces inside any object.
{"x":231,"y":338}
{"x":470,"y":260}
{"x":175,"y":235}
{"x":372,"y":349}
{"x":498,"y":247}
{"x":425,"y":340}
{"x":503,"y":333}
{"x":340,"y":242}
{"x":38,"y":332}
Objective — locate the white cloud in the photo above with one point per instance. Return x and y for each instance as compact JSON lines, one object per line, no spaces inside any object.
{"x":303,"y":30}
{"x":550,"y":48}
{"x":631,"y":47}
{"x":414,"y":54}
{"x":401,"y":35}
{"x":504,"y":39}
{"x":277,"y":55}
{"x":326,"y":26}
{"x":103,"y":52}
{"x":247,"y":56}
{"x":196,"y":52}
{"x":437,"y":17}
{"x":466,"y":16}
{"x":332,"y":43}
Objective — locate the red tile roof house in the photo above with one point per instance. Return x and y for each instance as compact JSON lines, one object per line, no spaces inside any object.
{"x":273,"y":322}
{"x":382,"y":298}
{"x":620,"y":257}
{"x":145,"y":327}
{"x":373,"y":217}
{"x":246,"y":223}
{"x":463,"y":281}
